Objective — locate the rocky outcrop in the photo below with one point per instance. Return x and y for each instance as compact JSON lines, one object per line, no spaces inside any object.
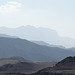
{"x":66,"y":64}
{"x":64,"y":67}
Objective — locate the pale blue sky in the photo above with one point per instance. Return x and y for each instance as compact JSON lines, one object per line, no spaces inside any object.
{"x":54,"y":14}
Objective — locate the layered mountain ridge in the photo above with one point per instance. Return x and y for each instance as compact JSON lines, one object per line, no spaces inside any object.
{"x":38,"y":34}
{"x":31,"y":51}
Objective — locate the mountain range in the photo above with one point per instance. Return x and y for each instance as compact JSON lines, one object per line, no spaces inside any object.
{"x":37,"y":42}
{"x":31,"y":51}
{"x":46,"y":44}
{"x":38,"y":34}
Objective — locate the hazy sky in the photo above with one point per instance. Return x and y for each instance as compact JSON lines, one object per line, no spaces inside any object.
{"x":54,"y":14}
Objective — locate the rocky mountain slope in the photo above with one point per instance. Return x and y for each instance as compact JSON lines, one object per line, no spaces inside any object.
{"x":66,"y":64}
{"x":64,"y":67}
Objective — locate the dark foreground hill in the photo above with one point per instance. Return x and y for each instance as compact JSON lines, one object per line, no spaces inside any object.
{"x":31,"y":51}
{"x":66,"y":64}
{"x":64,"y":67}
{"x":17,"y":64}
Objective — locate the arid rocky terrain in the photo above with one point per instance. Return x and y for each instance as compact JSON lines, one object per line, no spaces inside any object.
{"x":64,"y":67}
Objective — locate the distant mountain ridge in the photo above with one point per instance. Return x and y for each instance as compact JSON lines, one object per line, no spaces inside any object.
{"x":41,"y":43}
{"x":31,"y":51}
{"x":38,"y":34}
{"x":17,"y":58}
{"x":13,"y":60}
{"x":46,"y":44}
{"x":7,"y":36}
